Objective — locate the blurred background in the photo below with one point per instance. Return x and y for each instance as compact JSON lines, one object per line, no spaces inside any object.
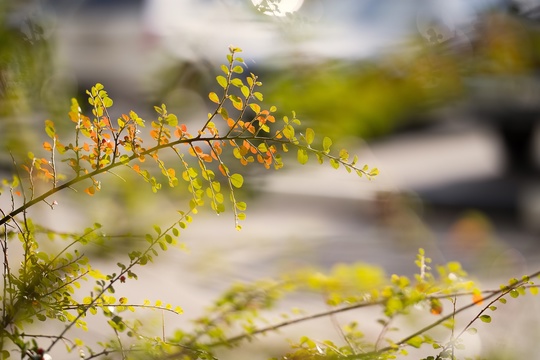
{"x":442,"y":96}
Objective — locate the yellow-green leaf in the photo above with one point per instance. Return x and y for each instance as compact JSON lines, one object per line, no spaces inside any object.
{"x":310,"y":135}
{"x":222,"y":81}
{"x":485,"y":318}
{"x":302,"y":156}
{"x":237,"y":180}
{"x":327,"y":142}
{"x":213,"y":97}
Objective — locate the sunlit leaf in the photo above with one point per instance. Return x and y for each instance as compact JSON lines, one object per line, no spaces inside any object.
{"x":310,"y":136}
{"x":302,"y":156}
{"x":485,"y":318}
{"x":222,"y":81}
{"x":237,"y":180}
{"x":213,"y":97}
{"x":327,"y":142}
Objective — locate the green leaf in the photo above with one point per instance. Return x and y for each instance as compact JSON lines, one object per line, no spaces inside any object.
{"x":238,"y":69}
{"x":416,"y":342}
{"x":485,"y":318}
{"x":310,"y":135}
{"x":222,"y":81}
{"x":327,"y":142}
{"x":302,"y":156}
{"x":107,"y":102}
{"x":262,"y":147}
{"x":237,"y":82}
{"x":172,"y":120}
{"x":133,"y":115}
{"x":258,"y":96}
{"x":49,"y":129}
{"x":288,"y":132}
{"x":245,"y":91}
{"x":224,"y":113}
{"x":241,"y":206}
{"x":237,"y":180}
{"x":344,"y":155}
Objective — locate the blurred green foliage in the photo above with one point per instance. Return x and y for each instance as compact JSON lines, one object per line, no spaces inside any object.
{"x":25,"y":68}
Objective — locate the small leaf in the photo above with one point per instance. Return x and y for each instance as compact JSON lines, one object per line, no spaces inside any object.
{"x":172,"y":120}
{"x":374,"y":172}
{"x":238,"y":69}
{"x":245,"y":91}
{"x":310,"y":136}
{"x":241,"y":206}
{"x":485,"y":318}
{"x":416,"y":342}
{"x":237,"y":82}
{"x":262,"y":147}
{"x":224,"y":113}
{"x":302,"y":156}
{"x":49,"y":129}
{"x":237,"y":180}
{"x":213,"y":97}
{"x":221,"y":81}
{"x":327,"y":142}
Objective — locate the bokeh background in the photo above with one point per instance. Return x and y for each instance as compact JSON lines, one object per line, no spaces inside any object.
{"x":442,"y":96}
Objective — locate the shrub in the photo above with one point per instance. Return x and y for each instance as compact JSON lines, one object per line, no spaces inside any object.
{"x":46,"y":286}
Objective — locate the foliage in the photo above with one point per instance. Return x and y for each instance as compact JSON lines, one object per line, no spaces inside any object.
{"x":50,"y":286}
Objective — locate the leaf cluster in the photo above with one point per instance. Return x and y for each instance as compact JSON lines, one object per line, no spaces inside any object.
{"x":64,"y":286}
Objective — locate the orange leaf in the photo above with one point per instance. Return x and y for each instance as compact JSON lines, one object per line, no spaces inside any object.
{"x":477,"y":298}
{"x":178,"y":132}
{"x":90,"y":190}
{"x":206,"y":157}
{"x":136,"y":168}
{"x":222,"y":170}
{"x":436,"y":307}
{"x":47,"y":146}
